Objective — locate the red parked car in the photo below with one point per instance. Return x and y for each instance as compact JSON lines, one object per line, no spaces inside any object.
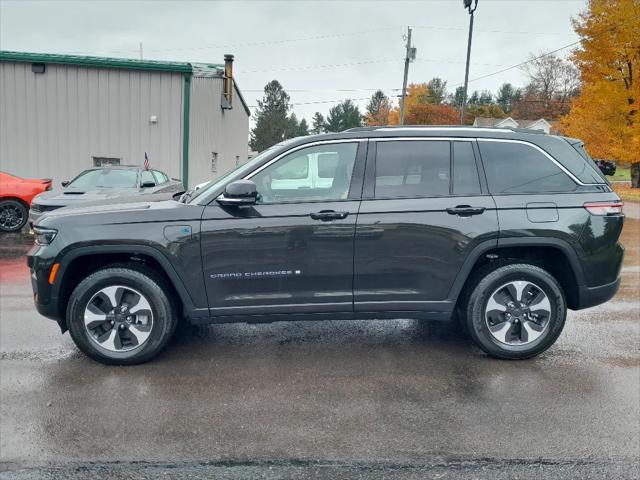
{"x":15,"y":199}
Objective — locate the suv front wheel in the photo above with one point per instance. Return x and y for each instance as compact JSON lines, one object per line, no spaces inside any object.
{"x":121,"y":315}
{"x":515,"y":311}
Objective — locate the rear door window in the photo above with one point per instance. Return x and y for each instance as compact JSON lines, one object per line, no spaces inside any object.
{"x":520,"y":168}
{"x":412,"y":169}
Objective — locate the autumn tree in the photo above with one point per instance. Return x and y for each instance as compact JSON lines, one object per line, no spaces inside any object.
{"x":605,"y":113}
{"x":343,"y":116}
{"x":272,"y":121}
{"x":378,"y":109}
{"x":420,"y":109}
{"x":432,"y":114}
{"x":318,"y":124}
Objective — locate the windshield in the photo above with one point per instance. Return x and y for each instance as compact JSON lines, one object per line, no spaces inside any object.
{"x":105,"y":178}
{"x":238,"y":171}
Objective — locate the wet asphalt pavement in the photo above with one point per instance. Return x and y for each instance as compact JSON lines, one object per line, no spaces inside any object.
{"x":339,"y":399}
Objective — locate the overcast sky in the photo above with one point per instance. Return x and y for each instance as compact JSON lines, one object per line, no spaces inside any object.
{"x":320,"y":51}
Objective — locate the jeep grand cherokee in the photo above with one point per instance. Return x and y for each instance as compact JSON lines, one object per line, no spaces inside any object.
{"x":503,"y":230}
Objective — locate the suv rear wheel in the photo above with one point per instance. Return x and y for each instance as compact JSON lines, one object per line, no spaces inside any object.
{"x":516,"y":311}
{"x":121,"y":316}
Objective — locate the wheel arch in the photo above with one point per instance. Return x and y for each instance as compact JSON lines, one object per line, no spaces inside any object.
{"x":17,"y":199}
{"x":556,"y":256}
{"x":77,"y":263}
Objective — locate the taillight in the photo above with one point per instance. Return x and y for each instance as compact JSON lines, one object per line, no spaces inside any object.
{"x":49,"y":187}
{"x":604,"y":208}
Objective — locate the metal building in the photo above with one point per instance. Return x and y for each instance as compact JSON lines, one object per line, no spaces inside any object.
{"x":61,"y":114}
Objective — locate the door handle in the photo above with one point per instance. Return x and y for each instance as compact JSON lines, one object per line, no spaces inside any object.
{"x":465,"y":210}
{"x":326,"y":215}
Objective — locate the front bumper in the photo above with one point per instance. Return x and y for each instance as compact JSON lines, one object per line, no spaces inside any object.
{"x":34,"y":217}
{"x":44,"y":295}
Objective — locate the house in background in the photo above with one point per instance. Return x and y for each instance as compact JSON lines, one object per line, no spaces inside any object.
{"x":540,"y":124}
{"x":62,"y":114}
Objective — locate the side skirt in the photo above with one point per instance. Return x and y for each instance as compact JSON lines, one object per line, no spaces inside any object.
{"x":295,"y":317}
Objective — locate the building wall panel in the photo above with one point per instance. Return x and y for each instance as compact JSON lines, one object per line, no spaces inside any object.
{"x":52,"y":124}
{"x":214,"y":131}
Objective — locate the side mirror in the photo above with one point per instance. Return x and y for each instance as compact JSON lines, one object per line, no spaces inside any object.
{"x":240,"y":192}
{"x":148,"y":184}
{"x":65,"y":183}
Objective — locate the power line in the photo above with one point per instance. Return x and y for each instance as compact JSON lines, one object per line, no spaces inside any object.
{"x":520,"y":64}
{"x":259,"y":43}
{"x":510,"y":32}
{"x":363,"y":62}
{"x":330,"y":65}
{"x":311,"y":38}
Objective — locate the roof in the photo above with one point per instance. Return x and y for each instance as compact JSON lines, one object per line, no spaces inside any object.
{"x":500,"y":122}
{"x":104,"y":62}
{"x":530,"y":123}
{"x":486,"y":121}
{"x":207,"y":70}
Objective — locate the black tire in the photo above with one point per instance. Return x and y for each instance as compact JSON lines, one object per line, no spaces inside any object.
{"x":142,"y":280}
{"x":13,"y":215}
{"x":482,"y":287}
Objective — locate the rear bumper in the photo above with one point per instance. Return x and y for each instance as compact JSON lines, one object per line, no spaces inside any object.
{"x":592,"y":296}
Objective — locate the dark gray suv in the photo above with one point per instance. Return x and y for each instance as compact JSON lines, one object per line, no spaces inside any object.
{"x":502,"y":230}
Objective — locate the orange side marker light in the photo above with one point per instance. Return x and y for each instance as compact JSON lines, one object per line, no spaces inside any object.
{"x":54,"y":271}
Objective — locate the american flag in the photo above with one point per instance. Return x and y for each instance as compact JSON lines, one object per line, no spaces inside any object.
{"x":146,"y":161}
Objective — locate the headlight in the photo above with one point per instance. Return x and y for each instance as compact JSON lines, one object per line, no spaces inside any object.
{"x":44,"y":236}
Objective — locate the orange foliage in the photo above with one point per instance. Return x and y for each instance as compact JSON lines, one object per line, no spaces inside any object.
{"x":420,"y":111}
{"x":430,"y":114}
{"x":606,"y":114}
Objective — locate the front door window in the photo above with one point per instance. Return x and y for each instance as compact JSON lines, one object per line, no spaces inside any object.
{"x":320,"y":173}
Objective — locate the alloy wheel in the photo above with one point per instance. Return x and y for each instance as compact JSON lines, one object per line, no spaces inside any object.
{"x":118,"y":318}
{"x":11,"y":217}
{"x":518,"y":313}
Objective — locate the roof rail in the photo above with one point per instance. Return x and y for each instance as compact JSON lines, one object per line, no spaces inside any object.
{"x":436,"y":127}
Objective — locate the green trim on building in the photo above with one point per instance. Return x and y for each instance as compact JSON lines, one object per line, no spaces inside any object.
{"x":99,"y":62}
{"x":185,"y":129}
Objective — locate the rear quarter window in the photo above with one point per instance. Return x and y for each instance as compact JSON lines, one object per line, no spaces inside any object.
{"x":520,"y":168}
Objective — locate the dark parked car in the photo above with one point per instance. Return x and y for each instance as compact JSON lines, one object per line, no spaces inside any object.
{"x":502,"y":229}
{"x":608,"y":167}
{"x":104,"y":183}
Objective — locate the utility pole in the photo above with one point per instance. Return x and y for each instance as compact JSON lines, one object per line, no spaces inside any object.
{"x":140,"y":50}
{"x":410,"y":55}
{"x":467,"y":5}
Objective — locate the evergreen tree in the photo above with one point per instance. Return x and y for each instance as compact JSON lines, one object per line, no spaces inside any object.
{"x":507,"y":94}
{"x":474,"y":98}
{"x":343,"y":116}
{"x":438,"y":90}
{"x":272,"y":122}
{"x":292,"y":127}
{"x":319,"y":125}
{"x":456,"y":98}
{"x":485,"y":98}
{"x":303,"y":128}
{"x":378,"y":109}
